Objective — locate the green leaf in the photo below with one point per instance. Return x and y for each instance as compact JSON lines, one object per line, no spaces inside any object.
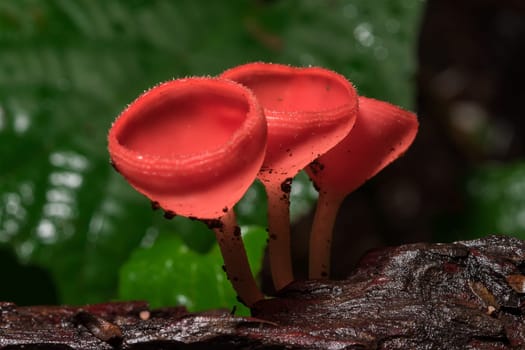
{"x":168,"y":273}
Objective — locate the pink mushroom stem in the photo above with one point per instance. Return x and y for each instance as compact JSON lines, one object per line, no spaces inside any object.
{"x":326,"y":211}
{"x":235,"y":260}
{"x":279,"y":245}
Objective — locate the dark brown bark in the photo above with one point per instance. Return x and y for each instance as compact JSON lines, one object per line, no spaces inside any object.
{"x":463,"y":295}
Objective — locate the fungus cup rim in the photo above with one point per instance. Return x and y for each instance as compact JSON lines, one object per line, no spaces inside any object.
{"x":264,"y":69}
{"x":253,"y":120}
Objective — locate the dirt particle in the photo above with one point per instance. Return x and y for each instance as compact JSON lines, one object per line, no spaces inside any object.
{"x":155,"y":205}
{"x":237,"y":231}
{"x":213,"y":223}
{"x":316,"y":166}
{"x":265,"y":169}
{"x":168,"y":214}
{"x":286,"y":186}
{"x":225,"y":209}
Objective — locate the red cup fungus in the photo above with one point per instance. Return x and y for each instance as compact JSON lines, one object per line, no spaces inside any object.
{"x":194,"y":146}
{"x":308,"y":111}
{"x":382,"y":132}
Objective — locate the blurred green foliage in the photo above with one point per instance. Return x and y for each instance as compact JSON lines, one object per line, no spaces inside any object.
{"x":170,"y":273}
{"x":495,"y":201}
{"x":68,"y":67}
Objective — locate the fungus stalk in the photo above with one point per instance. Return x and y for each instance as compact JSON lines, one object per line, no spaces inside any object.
{"x":326,"y":211}
{"x":236,"y":266}
{"x":279,"y":245}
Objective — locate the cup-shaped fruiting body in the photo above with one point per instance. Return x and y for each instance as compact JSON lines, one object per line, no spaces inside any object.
{"x":194,"y":146}
{"x":308,"y":111}
{"x":382,"y":132}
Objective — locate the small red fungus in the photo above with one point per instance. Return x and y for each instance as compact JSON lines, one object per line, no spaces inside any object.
{"x":308,"y":111}
{"x":193,"y":147}
{"x":382,"y":132}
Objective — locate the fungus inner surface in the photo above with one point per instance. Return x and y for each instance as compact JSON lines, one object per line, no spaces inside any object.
{"x":176,"y":123}
{"x":293,"y":92}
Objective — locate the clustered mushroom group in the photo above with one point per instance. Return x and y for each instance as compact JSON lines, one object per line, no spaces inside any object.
{"x":193,"y":146}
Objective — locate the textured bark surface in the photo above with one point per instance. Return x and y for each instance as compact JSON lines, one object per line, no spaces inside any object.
{"x":463,"y":295}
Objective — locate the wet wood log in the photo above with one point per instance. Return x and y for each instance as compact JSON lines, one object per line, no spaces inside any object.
{"x":463,"y":295}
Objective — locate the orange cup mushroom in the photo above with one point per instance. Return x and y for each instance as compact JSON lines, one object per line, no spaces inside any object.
{"x":382,"y":132}
{"x":308,"y":111}
{"x":194,"y":146}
